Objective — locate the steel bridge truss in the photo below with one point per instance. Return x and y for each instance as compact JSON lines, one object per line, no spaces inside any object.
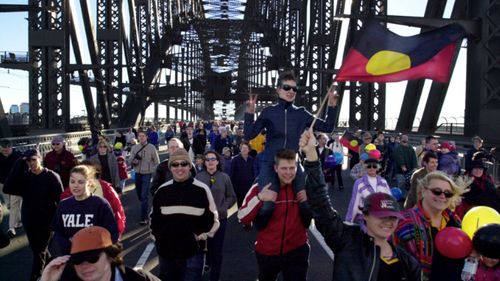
{"x":142,"y":52}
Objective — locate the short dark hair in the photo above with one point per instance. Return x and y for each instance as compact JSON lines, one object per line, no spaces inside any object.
{"x":428,"y":155}
{"x":284,"y":154}
{"x":217,"y":155}
{"x":286,"y":76}
{"x":429,"y":138}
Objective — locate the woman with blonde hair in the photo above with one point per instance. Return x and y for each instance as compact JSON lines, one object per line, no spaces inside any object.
{"x":438,"y":196}
{"x":106,"y":159}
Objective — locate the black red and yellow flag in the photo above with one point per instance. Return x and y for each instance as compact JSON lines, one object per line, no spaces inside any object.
{"x":380,"y":55}
{"x":350,"y":141}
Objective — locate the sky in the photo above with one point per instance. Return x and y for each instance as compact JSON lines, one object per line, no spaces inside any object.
{"x":14,"y":83}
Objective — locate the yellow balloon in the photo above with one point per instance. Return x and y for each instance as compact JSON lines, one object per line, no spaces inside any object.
{"x":354,"y":143}
{"x":477,"y":217}
{"x":370,"y":147}
{"x":80,"y":147}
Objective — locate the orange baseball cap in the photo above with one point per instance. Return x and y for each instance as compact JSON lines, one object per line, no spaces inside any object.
{"x":89,"y":239}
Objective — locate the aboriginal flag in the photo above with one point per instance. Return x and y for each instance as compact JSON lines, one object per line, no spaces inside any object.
{"x":350,"y":141}
{"x":380,"y":55}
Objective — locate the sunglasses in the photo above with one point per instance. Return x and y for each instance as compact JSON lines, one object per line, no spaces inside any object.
{"x":211,"y":159}
{"x":371,"y":166}
{"x":90,"y":259}
{"x":288,"y":88}
{"x":177,"y":164}
{"x":56,"y":143}
{"x":438,"y":192}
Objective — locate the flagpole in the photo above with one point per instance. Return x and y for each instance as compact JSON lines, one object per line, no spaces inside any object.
{"x":323,"y":103}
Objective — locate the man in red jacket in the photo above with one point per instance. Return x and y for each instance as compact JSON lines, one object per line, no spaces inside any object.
{"x":282,"y":246}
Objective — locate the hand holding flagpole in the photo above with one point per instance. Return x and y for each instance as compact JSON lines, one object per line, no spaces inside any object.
{"x":332,"y":98}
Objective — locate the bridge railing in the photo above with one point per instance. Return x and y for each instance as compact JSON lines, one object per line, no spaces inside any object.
{"x":43,"y":142}
{"x":13,"y":57}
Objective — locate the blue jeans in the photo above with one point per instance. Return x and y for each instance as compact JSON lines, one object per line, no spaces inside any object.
{"x":142,"y":186}
{"x":292,"y":265}
{"x":214,"y":254}
{"x":189,"y":269}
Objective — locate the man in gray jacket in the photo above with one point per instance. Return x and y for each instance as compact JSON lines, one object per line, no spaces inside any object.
{"x":143,"y":158}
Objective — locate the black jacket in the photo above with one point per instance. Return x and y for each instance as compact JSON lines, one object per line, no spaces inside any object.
{"x":356,"y":255}
{"x":182,"y":211}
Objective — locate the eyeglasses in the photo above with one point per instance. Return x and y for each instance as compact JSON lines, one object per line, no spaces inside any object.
{"x":211,"y":159}
{"x":438,"y":192}
{"x":177,"y":164}
{"x":371,"y":166}
{"x":90,"y":259}
{"x":56,"y":143}
{"x":288,"y":88}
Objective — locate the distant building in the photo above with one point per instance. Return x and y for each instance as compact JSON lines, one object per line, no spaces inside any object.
{"x":25,"y":108}
{"x":14,"y":109}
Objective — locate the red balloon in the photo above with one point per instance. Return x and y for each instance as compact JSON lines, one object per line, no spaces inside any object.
{"x":454,"y":243}
{"x":374,"y":154}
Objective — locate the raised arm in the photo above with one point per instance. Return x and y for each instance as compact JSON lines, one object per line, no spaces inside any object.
{"x":327,"y":220}
{"x":251,"y":127}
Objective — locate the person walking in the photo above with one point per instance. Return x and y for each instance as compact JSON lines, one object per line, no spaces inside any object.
{"x":144,"y":159}
{"x":184,"y":215}
{"x":40,"y":189}
{"x":222,"y":190}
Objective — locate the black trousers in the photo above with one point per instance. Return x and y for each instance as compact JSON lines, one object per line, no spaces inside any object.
{"x":38,"y":238}
{"x":293,"y":265}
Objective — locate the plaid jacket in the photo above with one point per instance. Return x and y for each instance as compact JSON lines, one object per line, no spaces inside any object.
{"x":414,"y":233}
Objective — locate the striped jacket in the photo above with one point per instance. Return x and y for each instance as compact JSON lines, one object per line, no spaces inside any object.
{"x":416,"y":235}
{"x":360,"y":191}
{"x":183,"y":214}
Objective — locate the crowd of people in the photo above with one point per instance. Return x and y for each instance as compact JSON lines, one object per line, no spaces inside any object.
{"x":279,"y":168}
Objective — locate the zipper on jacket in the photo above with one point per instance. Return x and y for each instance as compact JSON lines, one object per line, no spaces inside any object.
{"x":284,"y":224}
{"x":374,"y":260}
{"x":286,"y":127}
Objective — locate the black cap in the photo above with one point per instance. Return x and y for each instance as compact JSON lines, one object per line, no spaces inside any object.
{"x":5,"y":143}
{"x":32,"y":152}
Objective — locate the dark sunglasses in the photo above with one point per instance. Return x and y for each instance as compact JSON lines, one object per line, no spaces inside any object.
{"x":211,"y":159}
{"x":371,"y":166}
{"x":90,"y":259}
{"x":56,"y":143}
{"x":438,"y":192}
{"x":288,"y":88}
{"x":177,"y":164}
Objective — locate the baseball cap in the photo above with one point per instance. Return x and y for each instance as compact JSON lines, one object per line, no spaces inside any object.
{"x":32,"y":152}
{"x":5,"y":143}
{"x":58,"y":139}
{"x":87,"y":241}
{"x":381,"y":205}
{"x":371,"y":160}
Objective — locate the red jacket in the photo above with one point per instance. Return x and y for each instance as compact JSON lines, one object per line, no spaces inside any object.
{"x":122,"y":168}
{"x":109,"y":194}
{"x":285,"y":231}
{"x":60,"y":163}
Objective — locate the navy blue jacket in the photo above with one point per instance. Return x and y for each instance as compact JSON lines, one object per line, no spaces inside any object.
{"x":285,"y":123}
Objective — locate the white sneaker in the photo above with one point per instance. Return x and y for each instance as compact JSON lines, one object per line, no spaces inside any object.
{"x":11,"y":232}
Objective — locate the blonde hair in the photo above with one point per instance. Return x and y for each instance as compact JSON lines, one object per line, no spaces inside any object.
{"x":104,"y":142}
{"x":459,"y":186}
